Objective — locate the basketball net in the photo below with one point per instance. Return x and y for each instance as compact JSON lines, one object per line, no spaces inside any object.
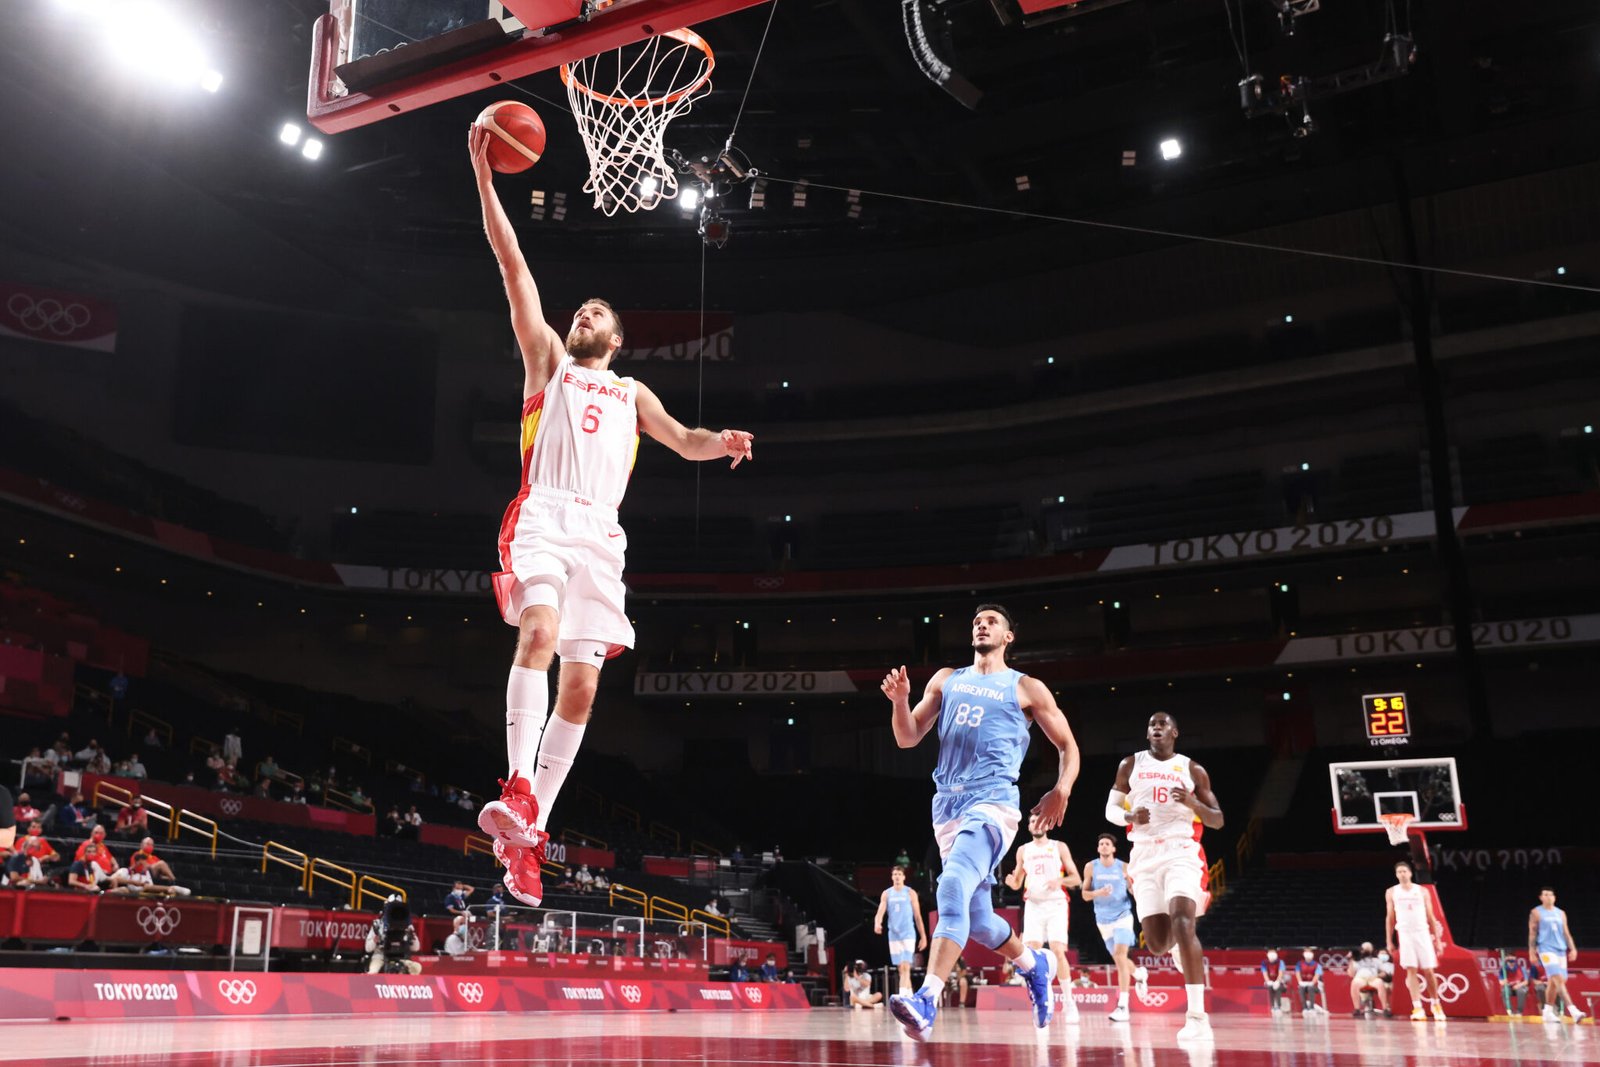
{"x":623,"y":101}
{"x":1395,"y":823}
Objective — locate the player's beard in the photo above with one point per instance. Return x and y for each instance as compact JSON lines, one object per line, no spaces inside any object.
{"x":983,"y":648}
{"x":595,"y":346}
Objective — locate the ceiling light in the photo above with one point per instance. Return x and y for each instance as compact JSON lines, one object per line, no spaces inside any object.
{"x":1288,"y":318}
{"x":312,"y":149}
{"x":290,"y":134}
{"x":211,"y":81}
{"x":1171,"y":149}
{"x":690,"y":199}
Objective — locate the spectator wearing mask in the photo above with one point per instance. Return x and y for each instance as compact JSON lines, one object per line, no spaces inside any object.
{"x":1308,"y":979}
{"x":738,"y":971}
{"x":136,"y":769}
{"x":147,"y":873}
{"x":1518,"y":989}
{"x":455,"y":902}
{"x":769,"y":969}
{"x":133,"y":820}
{"x":75,"y":814}
{"x":152,"y":740}
{"x":413,"y":823}
{"x":457,"y":943}
{"x":1366,"y":977}
{"x":24,"y":812}
{"x":584,"y":879}
{"x":1275,"y":976}
{"x":94,"y":858}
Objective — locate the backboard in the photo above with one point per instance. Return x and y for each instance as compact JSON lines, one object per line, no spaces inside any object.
{"x":375,"y":59}
{"x":1427,"y":789}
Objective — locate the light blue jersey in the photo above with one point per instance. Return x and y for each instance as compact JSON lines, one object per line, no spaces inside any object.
{"x":900,"y":926}
{"x":1552,"y":936}
{"x":983,"y":735}
{"x":1108,"y":909}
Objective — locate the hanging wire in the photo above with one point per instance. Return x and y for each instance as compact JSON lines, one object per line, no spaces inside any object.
{"x":772,"y":10}
{"x":1233,"y":35}
{"x":1258,"y":246}
{"x":700,"y":393}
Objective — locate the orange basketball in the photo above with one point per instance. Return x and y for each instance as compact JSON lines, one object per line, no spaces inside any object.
{"x":517,"y":135}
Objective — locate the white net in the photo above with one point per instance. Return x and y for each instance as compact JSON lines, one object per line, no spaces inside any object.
{"x":1395,"y":824}
{"x":623,"y":101}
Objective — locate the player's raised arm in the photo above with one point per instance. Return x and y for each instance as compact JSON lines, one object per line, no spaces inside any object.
{"x":541,"y":346}
{"x":1041,"y":704}
{"x":696,"y":444}
{"x":910,"y":724}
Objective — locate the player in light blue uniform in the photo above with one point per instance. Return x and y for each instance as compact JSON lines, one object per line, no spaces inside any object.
{"x":1550,"y":941}
{"x":982,"y":713}
{"x":907,"y":935}
{"x":1105,"y":882}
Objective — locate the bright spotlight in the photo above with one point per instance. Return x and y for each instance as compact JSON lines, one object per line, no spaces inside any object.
{"x":1305,"y":466}
{"x":312,"y":149}
{"x":1171,"y":148}
{"x":211,"y":81}
{"x":290,"y":134}
{"x":148,"y":37}
{"x":649,"y":185}
{"x":689,"y":200}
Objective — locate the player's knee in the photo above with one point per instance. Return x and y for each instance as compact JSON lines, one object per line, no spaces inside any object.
{"x":536,"y":636}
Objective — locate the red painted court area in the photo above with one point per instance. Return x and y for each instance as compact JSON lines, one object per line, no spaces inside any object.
{"x":831,"y":1037}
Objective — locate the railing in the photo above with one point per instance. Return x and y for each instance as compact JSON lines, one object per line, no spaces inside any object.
{"x":106,"y":793}
{"x":700,"y":848}
{"x":279,"y":717}
{"x":629,"y":895}
{"x":301,"y":862}
{"x":582,"y":840}
{"x":352,"y":748}
{"x":666,"y":835}
{"x":383,"y":892}
{"x":334,"y":798}
{"x":477,"y":843}
{"x":319,"y":871}
{"x":1217,"y":880}
{"x":1245,"y":847}
{"x":196,"y":824}
{"x":551,"y":867}
{"x":719,"y":923}
{"x":662,"y":908}
{"x":537,"y":930}
{"x":395,"y":767}
{"x":162,"y":727}
{"x":201,"y":746}
{"x":623,"y":813}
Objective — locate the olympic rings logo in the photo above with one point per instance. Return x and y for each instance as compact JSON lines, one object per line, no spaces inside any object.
{"x":1334,"y":961}
{"x":471,"y":992}
{"x":237,"y":992}
{"x":768,"y":583}
{"x":632,"y":994}
{"x":47,"y":314}
{"x":1155,"y":998}
{"x":1452,"y":986}
{"x":231,"y":806}
{"x":753,"y":994}
{"x":158,"y":921}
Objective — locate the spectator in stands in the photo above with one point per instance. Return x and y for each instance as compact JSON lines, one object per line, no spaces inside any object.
{"x":457,"y":943}
{"x":233,"y":746}
{"x":465,"y":801}
{"x":738,"y":971}
{"x":449,"y":795}
{"x":98,"y":862}
{"x":394,"y":823}
{"x":583,"y":879}
{"x":392,"y":939}
{"x":100,"y":764}
{"x":136,"y":769}
{"x":1366,"y":977}
{"x":413,"y":825}
{"x":268,"y":768}
{"x":82,"y":875}
{"x":24,"y":811}
{"x":769,"y":968}
{"x":359,"y":799}
{"x":1308,"y":980}
{"x":36,"y":847}
{"x":147,"y":873}
{"x":711,"y":907}
{"x":76,"y":814}
{"x":231,"y":780}
{"x":133,"y":820}
{"x":737,"y":855}
{"x":902,"y":859}
{"x":264,"y":789}
{"x":215,"y":763}
{"x":88,"y":752}
{"x":189,"y":780}
{"x":38,"y":769}
{"x":297,"y":793}
{"x":1514,"y":981}
{"x":602,"y":884}
{"x":857,"y":986}
{"x":152,"y":739}
{"x":455,"y":902}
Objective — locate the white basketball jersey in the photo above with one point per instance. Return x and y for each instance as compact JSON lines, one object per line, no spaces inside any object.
{"x":1411,"y":910}
{"x":1151,"y":786}
{"x":581,"y":434}
{"x":1042,"y":865}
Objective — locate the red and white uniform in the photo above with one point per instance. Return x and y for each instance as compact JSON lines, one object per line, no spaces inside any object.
{"x":1412,"y":928}
{"x":1167,"y":860}
{"x":1044,"y":914}
{"x":580,"y":437}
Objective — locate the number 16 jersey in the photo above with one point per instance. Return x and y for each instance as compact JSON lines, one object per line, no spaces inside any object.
{"x":1151,"y":785}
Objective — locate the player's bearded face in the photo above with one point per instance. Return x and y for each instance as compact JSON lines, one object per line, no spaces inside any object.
{"x":591,"y":334}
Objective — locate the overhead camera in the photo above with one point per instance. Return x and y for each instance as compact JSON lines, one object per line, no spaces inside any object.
{"x":714,"y":229}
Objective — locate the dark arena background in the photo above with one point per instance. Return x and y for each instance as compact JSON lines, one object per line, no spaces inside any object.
{"x":1247,"y":351}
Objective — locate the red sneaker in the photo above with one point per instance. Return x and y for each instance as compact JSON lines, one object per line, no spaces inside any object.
{"x":514,"y":818}
{"x":522,"y":875}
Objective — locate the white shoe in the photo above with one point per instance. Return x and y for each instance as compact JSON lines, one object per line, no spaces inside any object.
{"x":1572,"y":1010}
{"x":1069,"y":1011}
{"x":1119,"y":1014}
{"x":1550,"y":1015}
{"x":1195,"y":1028}
{"x":1141,"y":981}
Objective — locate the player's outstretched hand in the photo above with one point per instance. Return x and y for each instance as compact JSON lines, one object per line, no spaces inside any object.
{"x":1051,"y":809}
{"x":739,"y":444}
{"x":897,"y":685}
{"x":478,"y":151}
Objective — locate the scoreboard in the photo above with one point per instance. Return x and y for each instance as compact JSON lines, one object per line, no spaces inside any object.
{"x":1387,"y":717}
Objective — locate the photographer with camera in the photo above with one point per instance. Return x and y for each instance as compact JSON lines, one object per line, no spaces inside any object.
{"x":858,"y":986}
{"x":392,"y":940}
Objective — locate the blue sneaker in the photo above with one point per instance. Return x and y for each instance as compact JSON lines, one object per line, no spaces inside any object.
{"x":1038,"y":985}
{"x":915,"y":1012}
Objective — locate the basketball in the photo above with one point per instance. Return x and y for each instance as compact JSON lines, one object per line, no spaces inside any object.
{"x":518,"y":135}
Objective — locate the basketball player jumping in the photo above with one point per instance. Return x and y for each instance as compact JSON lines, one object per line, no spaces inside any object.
{"x":982,"y":713}
{"x":1106,"y":882}
{"x":1550,"y":942}
{"x":900,"y":904}
{"x":1044,"y":871}
{"x":1165,"y":800}
{"x":1410,"y":916}
{"x":561,"y":550}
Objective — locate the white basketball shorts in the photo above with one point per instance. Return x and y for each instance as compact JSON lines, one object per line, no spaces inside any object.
{"x":1162,"y":870}
{"x":1044,"y":922}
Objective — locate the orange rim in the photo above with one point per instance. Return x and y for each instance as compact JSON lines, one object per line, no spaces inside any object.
{"x":688,"y":37}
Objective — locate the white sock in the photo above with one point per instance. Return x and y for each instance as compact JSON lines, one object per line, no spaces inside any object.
{"x":932,"y":986}
{"x":556,"y":753}
{"x":1197,"y":998}
{"x":1024,"y":962}
{"x":527,"y":706}
{"x":1122,"y":1000}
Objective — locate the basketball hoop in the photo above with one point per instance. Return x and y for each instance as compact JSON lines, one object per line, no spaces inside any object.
{"x":1395,"y":823}
{"x":623,"y":100}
